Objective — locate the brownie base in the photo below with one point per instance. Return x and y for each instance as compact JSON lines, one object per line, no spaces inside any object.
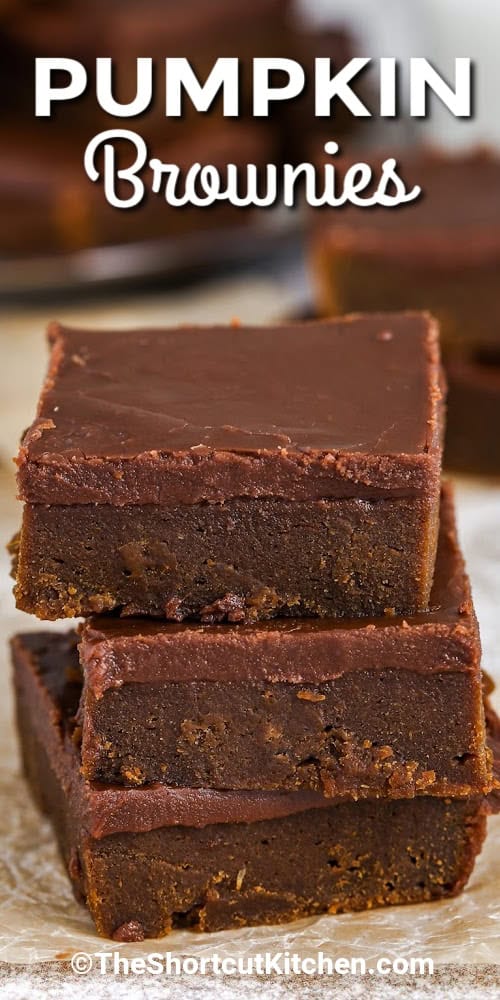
{"x":350,"y":734}
{"x":243,"y":560}
{"x":346,"y":857}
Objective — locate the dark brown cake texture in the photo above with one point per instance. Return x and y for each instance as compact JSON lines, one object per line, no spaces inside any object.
{"x":441,"y":252}
{"x":315,"y":704}
{"x":232,"y":473}
{"x":149,"y":859}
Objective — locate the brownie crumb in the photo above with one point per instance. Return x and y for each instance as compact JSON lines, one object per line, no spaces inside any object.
{"x":131,"y":931}
{"x":310,"y":696}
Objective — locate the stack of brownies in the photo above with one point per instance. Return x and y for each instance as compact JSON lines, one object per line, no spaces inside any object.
{"x":274,"y":706}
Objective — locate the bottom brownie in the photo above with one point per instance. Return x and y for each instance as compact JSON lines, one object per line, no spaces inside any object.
{"x":150,"y":859}
{"x":351,"y":856}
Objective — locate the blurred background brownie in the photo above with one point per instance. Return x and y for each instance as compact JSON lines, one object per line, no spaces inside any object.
{"x":472,"y":435}
{"x":442,"y":250}
{"x":49,"y":205}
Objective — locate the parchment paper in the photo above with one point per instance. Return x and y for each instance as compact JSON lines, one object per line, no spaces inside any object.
{"x":39,"y":919}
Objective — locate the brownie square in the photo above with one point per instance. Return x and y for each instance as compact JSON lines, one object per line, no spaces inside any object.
{"x":313,"y":704}
{"x":232,"y":473}
{"x":150,"y":859}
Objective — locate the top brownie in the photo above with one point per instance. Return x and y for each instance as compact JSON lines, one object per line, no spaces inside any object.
{"x":343,"y":408}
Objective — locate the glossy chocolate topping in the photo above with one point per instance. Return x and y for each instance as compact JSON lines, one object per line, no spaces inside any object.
{"x":117,"y":651}
{"x":346,"y":407}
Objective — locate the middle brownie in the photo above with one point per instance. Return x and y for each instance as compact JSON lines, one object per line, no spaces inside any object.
{"x":390,"y":706}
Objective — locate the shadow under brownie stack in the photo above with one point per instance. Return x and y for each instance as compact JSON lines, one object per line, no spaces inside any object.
{"x":274,"y":706}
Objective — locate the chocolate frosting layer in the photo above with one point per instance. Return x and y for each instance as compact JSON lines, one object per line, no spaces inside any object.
{"x":109,"y":810}
{"x":114,"y":651}
{"x":347,"y":407}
